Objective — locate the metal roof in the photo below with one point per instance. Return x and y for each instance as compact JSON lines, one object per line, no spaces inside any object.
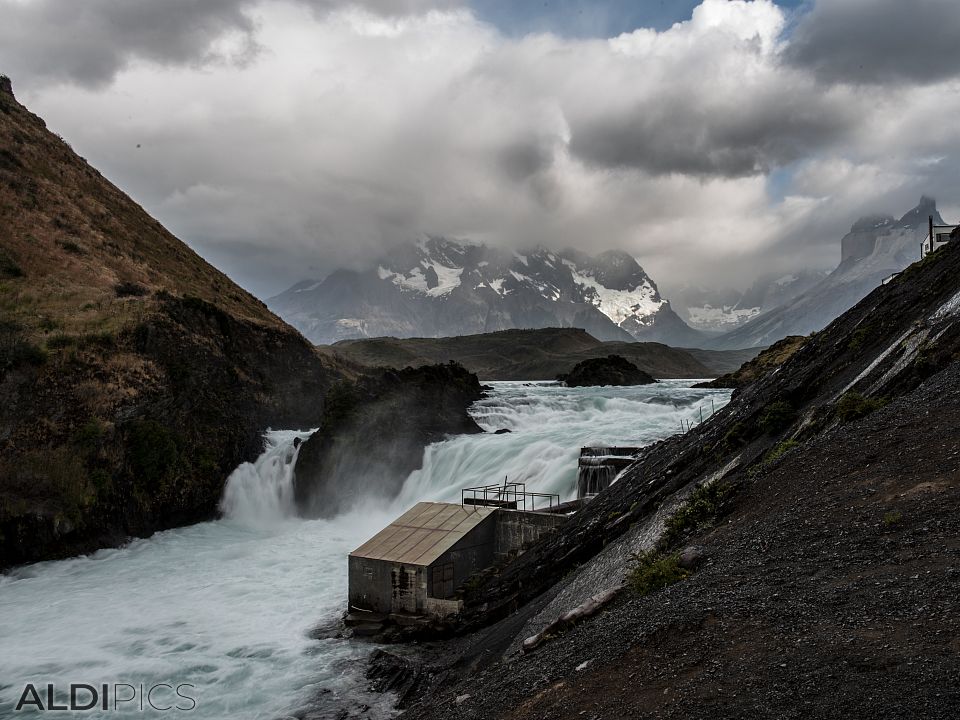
{"x":423,"y":533}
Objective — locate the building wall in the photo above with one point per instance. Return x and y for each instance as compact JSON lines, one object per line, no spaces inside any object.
{"x":516,"y":531}
{"x":384,"y":587}
{"x":472,"y":553}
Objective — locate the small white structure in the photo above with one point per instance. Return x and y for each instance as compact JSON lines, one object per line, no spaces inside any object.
{"x":937,"y":237}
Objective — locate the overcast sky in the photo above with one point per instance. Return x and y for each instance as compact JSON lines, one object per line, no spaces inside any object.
{"x":713,"y":140}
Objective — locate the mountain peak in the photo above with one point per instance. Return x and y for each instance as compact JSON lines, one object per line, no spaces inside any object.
{"x":919,"y":215}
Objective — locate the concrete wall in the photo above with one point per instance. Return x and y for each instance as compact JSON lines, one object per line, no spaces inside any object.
{"x":517,"y":531}
{"x":383,"y":587}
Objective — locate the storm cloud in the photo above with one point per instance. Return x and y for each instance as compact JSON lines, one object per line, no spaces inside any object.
{"x":282,"y":139}
{"x":879,"y":41}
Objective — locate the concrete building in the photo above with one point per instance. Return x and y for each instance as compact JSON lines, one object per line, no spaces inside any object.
{"x":415,"y":565}
{"x":937,"y":237}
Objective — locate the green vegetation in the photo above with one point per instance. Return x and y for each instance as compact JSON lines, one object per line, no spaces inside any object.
{"x":736,"y":436}
{"x":654,"y":571}
{"x":779,"y":450}
{"x":660,"y":567}
{"x":153,"y":452}
{"x":892,"y":518}
{"x":777,"y":416}
{"x":859,"y":338}
{"x":88,"y":437}
{"x":698,"y":512}
{"x":853,"y":406}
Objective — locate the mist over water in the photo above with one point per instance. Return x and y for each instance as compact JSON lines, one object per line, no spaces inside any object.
{"x":232,"y":606}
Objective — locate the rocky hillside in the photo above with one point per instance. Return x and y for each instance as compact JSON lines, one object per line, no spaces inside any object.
{"x":133,"y":375}
{"x":531,"y":354}
{"x":819,"y":513}
{"x":374,"y":432}
{"x":437,"y":288}
{"x":875,"y":248}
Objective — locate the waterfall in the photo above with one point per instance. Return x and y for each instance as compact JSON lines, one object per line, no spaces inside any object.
{"x":591,"y":479}
{"x":261,"y":493}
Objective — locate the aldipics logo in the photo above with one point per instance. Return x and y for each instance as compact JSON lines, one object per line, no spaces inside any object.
{"x":160,"y":697}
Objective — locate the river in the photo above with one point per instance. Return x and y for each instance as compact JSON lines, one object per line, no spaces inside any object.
{"x":235,"y":612}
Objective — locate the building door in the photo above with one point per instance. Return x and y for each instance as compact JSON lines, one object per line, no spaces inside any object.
{"x":442,"y":581}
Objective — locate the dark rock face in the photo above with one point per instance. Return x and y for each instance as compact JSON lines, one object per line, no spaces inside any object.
{"x":148,"y":377}
{"x":374,"y":431}
{"x":611,"y":370}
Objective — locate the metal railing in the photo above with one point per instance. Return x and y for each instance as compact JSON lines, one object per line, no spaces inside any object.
{"x":512,"y":496}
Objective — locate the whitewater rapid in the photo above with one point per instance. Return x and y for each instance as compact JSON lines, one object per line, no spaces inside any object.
{"x":241,"y":608}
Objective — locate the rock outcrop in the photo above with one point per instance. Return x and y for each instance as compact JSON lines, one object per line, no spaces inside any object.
{"x":374,"y":431}
{"x":611,"y":370}
{"x":134,"y":377}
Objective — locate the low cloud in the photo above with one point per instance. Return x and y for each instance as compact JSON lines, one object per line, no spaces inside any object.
{"x":708,"y":150}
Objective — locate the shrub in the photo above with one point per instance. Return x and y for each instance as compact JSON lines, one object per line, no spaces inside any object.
{"x":777,"y":416}
{"x":699,"y":511}
{"x":152,"y":451}
{"x":779,"y":450}
{"x":61,"y":341}
{"x":654,"y":571}
{"x":88,"y":437}
{"x":8,"y":267}
{"x":735,"y":437}
{"x":853,"y":406}
{"x":22,"y":353}
{"x":71,"y":247}
{"x":859,"y":338}
{"x":129,"y":289}
{"x":892,"y":518}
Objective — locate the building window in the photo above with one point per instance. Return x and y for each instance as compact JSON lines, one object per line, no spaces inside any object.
{"x":943,"y":237}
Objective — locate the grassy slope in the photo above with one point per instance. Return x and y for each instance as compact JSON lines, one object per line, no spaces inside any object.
{"x":133,"y":375}
{"x":520,"y":354}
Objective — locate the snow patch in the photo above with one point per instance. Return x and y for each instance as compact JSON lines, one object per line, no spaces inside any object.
{"x":416,"y":280}
{"x":620,"y":305}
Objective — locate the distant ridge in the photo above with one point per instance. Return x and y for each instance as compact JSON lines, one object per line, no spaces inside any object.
{"x":530,"y":354}
{"x":438,"y":287}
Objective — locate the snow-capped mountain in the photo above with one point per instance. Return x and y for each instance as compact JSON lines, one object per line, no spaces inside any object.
{"x":718,"y":311}
{"x":876,"y":247}
{"x":438,"y":287}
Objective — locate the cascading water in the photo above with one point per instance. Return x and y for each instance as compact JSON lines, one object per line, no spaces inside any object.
{"x":261,"y":492}
{"x":231,"y":606}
